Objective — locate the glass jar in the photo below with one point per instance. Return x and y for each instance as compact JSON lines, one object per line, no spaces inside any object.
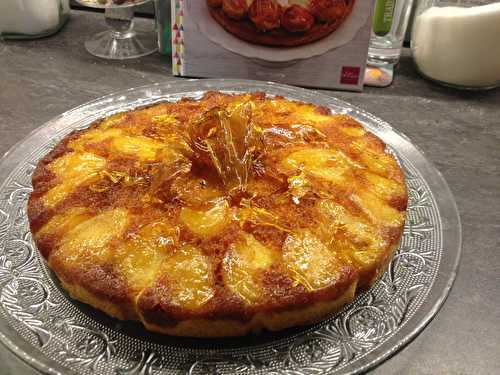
{"x":28,"y":19}
{"x":456,"y":43}
{"x":390,"y":19}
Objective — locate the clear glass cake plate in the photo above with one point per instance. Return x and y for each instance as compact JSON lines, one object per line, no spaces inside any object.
{"x":42,"y":325}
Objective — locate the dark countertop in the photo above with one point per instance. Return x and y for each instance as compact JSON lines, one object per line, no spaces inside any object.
{"x":458,"y":131}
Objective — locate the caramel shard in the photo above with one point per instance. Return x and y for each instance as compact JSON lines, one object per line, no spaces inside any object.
{"x":230,"y":141}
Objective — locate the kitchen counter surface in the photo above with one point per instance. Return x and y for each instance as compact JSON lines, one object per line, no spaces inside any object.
{"x":458,"y":131}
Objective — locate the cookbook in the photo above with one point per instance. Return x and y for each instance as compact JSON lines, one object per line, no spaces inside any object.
{"x":310,"y":43}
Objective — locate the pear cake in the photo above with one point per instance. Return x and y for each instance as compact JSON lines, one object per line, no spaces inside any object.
{"x":219,"y":216}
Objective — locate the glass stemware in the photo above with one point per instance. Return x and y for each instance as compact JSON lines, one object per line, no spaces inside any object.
{"x":122,"y":41}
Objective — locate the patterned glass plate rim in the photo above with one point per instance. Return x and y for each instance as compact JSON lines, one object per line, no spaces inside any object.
{"x":52,"y":333}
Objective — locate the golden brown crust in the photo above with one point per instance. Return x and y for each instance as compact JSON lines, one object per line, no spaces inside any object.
{"x":116,"y":236}
{"x":274,"y":321}
{"x":245,"y":29}
{"x":209,"y":327}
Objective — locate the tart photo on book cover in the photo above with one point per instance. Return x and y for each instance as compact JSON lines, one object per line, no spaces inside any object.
{"x":280,"y":22}
{"x":312,"y":43}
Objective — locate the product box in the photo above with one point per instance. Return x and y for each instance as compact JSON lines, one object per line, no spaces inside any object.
{"x":311,"y":43}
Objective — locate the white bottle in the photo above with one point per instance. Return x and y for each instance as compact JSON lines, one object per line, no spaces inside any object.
{"x":459,"y":45}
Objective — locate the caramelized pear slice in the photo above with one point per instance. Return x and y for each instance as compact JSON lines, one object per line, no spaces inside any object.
{"x":363,"y":242}
{"x":63,"y":222}
{"x":89,"y":239}
{"x":377,"y":209}
{"x":309,"y":262}
{"x":207,"y":223}
{"x":244,"y":265}
{"x":73,"y":170}
{"x":326,"y":164}
{"x":141,"y":256}
{"x":189,"y":277}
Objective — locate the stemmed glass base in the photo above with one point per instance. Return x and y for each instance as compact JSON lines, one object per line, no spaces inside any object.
{"x":2,"y":44}
{"x":122,"y":41}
